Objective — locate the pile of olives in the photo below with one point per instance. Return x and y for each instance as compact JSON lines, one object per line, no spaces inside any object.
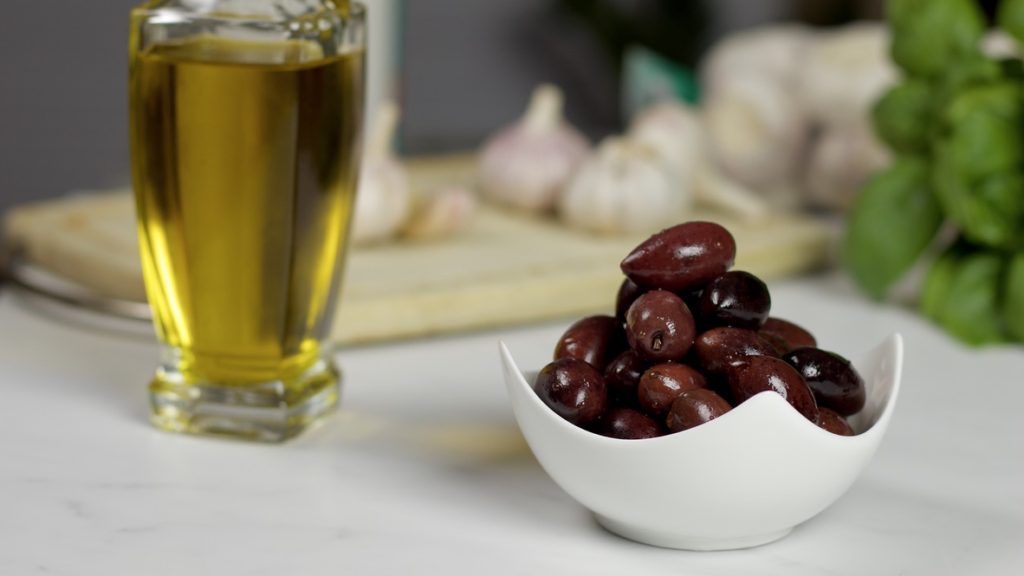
{"x":690,"y":340}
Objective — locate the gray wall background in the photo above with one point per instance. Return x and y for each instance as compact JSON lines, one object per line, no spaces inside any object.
{"x":469,"y":66}
{"x":63,"y":99}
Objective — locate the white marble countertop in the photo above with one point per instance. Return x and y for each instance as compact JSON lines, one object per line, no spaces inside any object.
{"x":423,"y":470}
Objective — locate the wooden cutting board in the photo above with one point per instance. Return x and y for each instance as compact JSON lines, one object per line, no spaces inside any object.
{"x":506,"y":268}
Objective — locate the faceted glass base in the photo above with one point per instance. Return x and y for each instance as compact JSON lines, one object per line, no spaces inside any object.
{"x":270,"y":411}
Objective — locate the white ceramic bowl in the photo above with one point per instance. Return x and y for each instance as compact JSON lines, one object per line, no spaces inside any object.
{"x":741,"y":480}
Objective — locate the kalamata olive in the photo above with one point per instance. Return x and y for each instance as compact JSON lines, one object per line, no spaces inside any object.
{"x":759,"y":373}
{"x":659,"y":326}
{"x":660,"y":385}
{"x":622,"y":375}
{"x":834,"y":423}
{"x":628,"y":424}
{"x":692,"y":299}
{"x":737,"y":299}
{"x":594,"y":339}
{"x":777,"y":344}
{"x":716,"y":349}
{"x":682,"y":257}
{"x":786,"y":335}
{"x":835,"y":383}
{"x":695,"y":407}
{"x":628,"y":292}
{"x":573,"y":389}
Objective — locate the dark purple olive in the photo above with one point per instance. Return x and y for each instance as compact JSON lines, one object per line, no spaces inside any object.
{"x":659,"y":326}
{"x":716,"y":349}
{"x":835,"y":383}
{"x":594,"y":339}
{"x":622,"y":375}
{"x":662,"y":384}
{"x":834,"y":423}
{"x":628,"y":292}
{"x":573,"y":389}
{"x":692,"y":299}
{"x":628,"y":424}
{"x":737,"y":299}
{"x":681,"y":258}
{"x":695,"y":407}
{"x":786,"y":335}
{"x":757,"y":374}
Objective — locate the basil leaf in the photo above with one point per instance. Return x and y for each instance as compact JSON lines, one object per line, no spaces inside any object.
{"x":1013,"y":298}
{"x":929,"y":35}
{"x":902,"y":117}
{"x":1010,"y":17}
{"x":892,"y":221}
{"x":962,"y":295}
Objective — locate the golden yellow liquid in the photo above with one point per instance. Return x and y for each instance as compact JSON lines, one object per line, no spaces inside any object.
{"x":244,"y":162}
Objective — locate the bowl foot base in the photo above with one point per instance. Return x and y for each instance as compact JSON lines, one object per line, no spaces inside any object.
{"x":683,"y":542}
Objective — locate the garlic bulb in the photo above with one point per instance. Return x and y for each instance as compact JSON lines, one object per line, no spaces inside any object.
{"x":526,"y":165}
{"x":845,"y":71}
{"x":757,"y":134}
{"x":840,"y":161}
{"x":773,"y":52}
{"x":441,"y":213}
{"x":384,"y":200}
{"x":623,"y":188}
{"x":673,"y":130}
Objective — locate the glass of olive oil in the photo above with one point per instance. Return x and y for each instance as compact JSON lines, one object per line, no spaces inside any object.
{"x":245,"y":137}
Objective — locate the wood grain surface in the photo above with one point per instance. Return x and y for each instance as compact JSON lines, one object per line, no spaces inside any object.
{"x":506,"y":268}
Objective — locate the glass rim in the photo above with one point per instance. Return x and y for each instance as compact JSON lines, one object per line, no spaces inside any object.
{"x":356,"y":15}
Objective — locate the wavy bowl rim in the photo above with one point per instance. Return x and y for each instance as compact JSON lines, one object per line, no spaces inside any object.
{"x":763,"y":401}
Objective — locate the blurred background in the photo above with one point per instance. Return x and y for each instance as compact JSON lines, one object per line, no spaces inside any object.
{"x":459,"y":69}
{"x":887,"y":136}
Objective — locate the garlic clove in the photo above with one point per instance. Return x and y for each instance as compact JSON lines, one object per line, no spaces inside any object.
{"x":625,"y":187}
{"x":718,"y":190}
{"x":845,"y":71}
{"x":383,"y":201}
{"x":527,"y":164}
{"x":441,"y":213}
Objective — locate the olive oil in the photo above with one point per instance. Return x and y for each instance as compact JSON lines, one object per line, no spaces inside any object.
{"x":245,"y":165}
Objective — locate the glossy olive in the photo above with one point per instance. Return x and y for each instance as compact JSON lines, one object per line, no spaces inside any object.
{"x":628,"y":424}
{"x":695,"y":407}
{"x":680,"y":258}
{"x":756,"y":374}
{"x":737,"y":299}
{"x":659,"y":326}
{"x":660,"y":385}
{"x":716,"y":349}
{"x":834,"y":381}
{"x":594,"y":339}
{"x":834,"y":423}
{"x":786,"y":335}
{"x":692,"y":299}
{"x":628,"y":292}
{"x":573,"y":389}
{"x":622,"y":375}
